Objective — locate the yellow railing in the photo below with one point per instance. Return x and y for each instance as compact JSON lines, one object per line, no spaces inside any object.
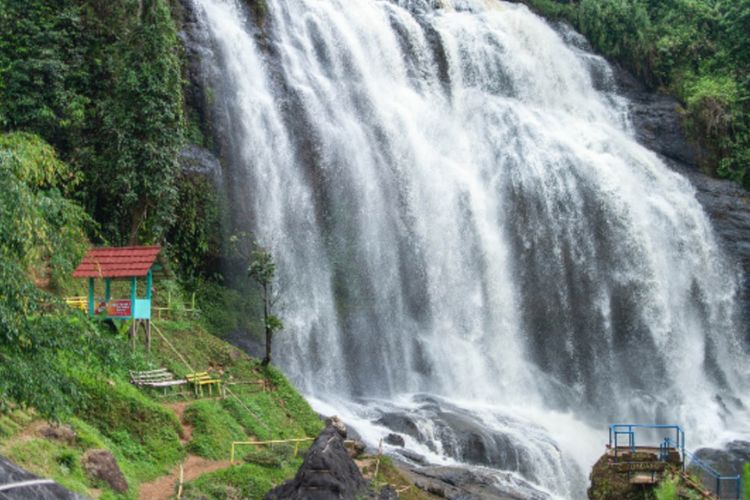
{"x":81,"y":303}
{"x":169,"y":311}
{"x":296,"y":442}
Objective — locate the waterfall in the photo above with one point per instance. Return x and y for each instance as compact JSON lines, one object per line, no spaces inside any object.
{"x":467,"y":234}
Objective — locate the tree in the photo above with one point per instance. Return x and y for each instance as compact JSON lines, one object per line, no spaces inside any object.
{"x":262,"y":269}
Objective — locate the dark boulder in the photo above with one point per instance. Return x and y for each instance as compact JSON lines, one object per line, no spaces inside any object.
{"x":413,"y":456}
{"x":11,"y":474}
{"x":101,"y":465}
{"x":729,"y":460}
{"x":465,"y":483}
{"x":400,"y":422}
{"x":395,"y":440}
{"x":327,"y":473}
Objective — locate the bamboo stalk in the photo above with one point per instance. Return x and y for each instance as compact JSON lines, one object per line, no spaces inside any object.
{"x":179,"y":488}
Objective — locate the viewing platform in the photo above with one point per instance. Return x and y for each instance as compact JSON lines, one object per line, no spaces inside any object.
{"x":643,"y":454}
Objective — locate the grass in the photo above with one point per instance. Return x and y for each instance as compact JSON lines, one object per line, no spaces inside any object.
{"x":746,"y":481}
{"x":388,"y":474}
{"x":51,"y":459}
{"x":241,"y":481}
{"x":144,"y":435}
{"x":213,"y":430}
{"x":667,"y":489}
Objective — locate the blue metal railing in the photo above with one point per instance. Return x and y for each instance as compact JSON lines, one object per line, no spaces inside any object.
{"x":616,"y":430}
{"x":716,"y":478}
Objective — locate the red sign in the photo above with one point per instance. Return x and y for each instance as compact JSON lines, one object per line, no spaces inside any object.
{"x":116,"y":308}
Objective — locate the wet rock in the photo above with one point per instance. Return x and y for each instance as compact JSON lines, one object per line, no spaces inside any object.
{"x":728,"y":461}
{"x":395,"y":440}
{"x":465,"y":483}
{"x":337,"y":424}
{"x":327,"y":472}
{"x":101,"y":465}
{"x":400,"y":422}
{"x":413,"y":456}
{"x":10,"y":473}
{"x":461,"y":435}
{"x":656,"y":120}
{"x":63,"y":433}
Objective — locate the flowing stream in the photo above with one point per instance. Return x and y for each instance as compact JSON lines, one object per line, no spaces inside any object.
{"x":473,"y":249}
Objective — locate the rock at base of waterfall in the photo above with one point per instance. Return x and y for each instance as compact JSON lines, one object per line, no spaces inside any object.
{"x":327,"y":472}
{"x":463,"y":482}
{"x":395,"y":440}
{"x":413,"y":456}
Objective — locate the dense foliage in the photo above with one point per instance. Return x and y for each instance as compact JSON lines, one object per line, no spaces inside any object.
{"x":698,"y":50}
{"x":41,"y":235}
{"x":101,"y":82}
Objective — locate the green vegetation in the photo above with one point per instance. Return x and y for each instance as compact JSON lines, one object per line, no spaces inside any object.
{"x":667,"y":489}
{"x":746,"y":481}
{"x":262,"y":270}
{"x":58,"y":365}
{"x":388,"y":474}
{"x":243,"y":481}
{"x":213,"y":430}
{"x":693,"y":49}
{"x":102,"y":84}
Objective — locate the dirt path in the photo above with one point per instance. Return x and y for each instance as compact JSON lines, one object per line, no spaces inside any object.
{"x":179,"y":410}
{"x":165,"y":487}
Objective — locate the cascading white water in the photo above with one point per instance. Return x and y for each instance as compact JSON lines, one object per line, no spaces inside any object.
{"x":465,"y":228}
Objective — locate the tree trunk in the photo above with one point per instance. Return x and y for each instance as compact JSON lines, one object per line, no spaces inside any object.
{"x":269,"y":332}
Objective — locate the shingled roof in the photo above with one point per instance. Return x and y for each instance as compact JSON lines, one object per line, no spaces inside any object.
{"x":117,"y":262}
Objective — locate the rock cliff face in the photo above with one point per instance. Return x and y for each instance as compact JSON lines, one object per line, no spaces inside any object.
{"x":327,"y":473}
{"x":657,"y":124}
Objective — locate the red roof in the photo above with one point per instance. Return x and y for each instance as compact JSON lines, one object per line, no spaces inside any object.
{"x":116,"y":262}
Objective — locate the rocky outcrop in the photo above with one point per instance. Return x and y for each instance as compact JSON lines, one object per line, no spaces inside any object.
{"x":395,"y":440}
{"x":16,"y":486}
{"x":327,"y":472}
{"x":464,"y":483}
{"x":101,"y":465}
{"x":728,"y":461}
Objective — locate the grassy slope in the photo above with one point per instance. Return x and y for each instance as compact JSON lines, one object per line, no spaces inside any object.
{"x":145,"y":436}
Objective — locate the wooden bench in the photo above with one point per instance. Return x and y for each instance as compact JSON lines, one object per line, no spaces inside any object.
{"x":199,"y":379}
{"x":155,"y":378}
{"x":81,"y":303}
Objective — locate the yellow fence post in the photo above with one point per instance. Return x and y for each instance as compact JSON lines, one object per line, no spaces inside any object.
{"x":231,"y":455}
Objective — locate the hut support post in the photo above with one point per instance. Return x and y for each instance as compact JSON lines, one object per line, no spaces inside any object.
{"x":91,"y":296}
